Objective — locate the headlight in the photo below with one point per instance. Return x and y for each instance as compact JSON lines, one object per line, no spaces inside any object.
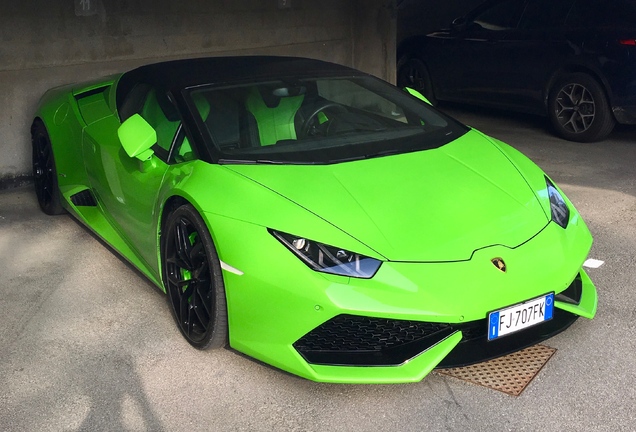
{"x":328,"y":259}
{"x":558,"y":207}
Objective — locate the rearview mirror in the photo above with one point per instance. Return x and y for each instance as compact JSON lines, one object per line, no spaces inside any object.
{"x":136,"y":137}
{"x":417,"y":94}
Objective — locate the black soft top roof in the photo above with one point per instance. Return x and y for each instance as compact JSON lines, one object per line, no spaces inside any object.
{"x":178,"y":74}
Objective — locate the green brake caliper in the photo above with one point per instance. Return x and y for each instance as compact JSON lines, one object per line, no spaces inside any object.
{"x":322,"y":118}
{"x":187,"y":274}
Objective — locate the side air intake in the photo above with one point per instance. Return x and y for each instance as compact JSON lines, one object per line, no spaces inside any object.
{"x":83,"y":199}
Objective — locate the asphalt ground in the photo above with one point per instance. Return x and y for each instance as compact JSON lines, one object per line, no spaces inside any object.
{"x":86,"y":343}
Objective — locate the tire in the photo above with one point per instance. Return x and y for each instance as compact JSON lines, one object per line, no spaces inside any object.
{"x":413,"y":73}
{"x":193,"y":279}
{"x":44,"y":172}
{"x":578,"y":109}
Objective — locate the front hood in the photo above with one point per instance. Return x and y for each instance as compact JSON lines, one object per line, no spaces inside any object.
{"x":433,"y":205}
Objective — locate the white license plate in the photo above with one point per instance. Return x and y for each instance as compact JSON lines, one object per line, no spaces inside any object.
{"x":520,"y":316}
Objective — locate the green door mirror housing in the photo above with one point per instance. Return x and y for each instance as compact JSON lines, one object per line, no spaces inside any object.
{"x":137,"y":136}
{"x":417,"y":94}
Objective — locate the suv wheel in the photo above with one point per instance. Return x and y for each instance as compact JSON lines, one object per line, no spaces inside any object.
{"x":578,"y":109}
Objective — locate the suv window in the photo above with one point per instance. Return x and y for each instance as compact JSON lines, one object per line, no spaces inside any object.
{"x":503,"y":15}
{"x":602,"y":13}
{"x":545,"y":14}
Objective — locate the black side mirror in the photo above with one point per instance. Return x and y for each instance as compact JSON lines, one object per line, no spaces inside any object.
{"x":459,"y":24}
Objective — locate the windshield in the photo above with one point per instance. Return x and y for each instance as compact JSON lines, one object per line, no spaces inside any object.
{"x":322,"y":120}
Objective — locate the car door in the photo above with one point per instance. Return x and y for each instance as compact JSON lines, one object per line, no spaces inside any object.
{"x":531,"y":53}
{"x":466,"y":66}
{"x":127,"y":188}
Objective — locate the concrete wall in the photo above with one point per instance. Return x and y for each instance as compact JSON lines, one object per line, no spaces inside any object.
{"x":48,"y":43}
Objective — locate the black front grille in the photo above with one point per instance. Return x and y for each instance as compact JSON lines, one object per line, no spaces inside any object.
{"x":365,"y":341}
{"x":358,"y":340}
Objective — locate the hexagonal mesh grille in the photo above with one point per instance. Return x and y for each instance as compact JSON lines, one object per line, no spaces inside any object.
{"x":359,"y":333}
{"x":510,"y":374}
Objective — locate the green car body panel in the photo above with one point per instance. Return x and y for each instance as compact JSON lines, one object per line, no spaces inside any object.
{"x":457,"y":207}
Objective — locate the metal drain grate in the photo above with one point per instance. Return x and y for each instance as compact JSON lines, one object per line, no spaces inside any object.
{"x":509,"y":374}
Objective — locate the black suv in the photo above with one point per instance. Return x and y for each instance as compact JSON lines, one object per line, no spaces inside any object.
{"x":572,"y":60}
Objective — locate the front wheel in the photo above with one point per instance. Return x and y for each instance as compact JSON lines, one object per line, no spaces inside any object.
{"x":579,"y":110}
{"x":193,"y":280}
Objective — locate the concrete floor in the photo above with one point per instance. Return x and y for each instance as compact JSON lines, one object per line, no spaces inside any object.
{"x":87,"y":344}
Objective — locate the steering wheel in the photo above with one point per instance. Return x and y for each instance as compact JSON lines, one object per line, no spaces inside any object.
{"x":312,"y":117}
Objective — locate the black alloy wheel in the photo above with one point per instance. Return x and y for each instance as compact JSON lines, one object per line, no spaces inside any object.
{"x":193,"y":280}
{"x":414,"y":74}
{"x":578,"y":109}
{"x":44,"y":172}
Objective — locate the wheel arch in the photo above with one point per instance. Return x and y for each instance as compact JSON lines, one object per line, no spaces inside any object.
{"x":170,"y":204}
{"x":41,"y":119}
{"x":413,"y":46}
{"x":576,"y":68}
{"x":57,"y":114}
{"x":176,"y":199}
{"x":37,"y":119}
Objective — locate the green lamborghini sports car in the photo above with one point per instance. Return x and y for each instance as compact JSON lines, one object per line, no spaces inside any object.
{"x":314,"y":217}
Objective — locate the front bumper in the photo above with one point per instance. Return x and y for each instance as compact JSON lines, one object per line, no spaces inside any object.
{"x":277,"y":302}
{"x":625,"y":114}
